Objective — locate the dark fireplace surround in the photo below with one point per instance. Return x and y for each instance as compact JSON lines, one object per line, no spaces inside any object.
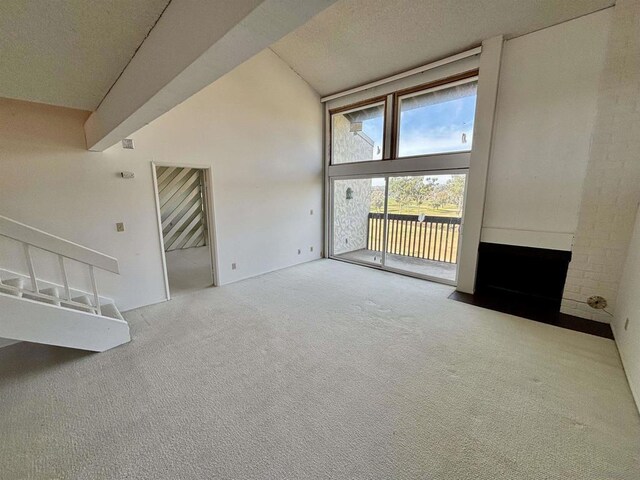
{"x":527,"y":275}
{"x":527,"y":282}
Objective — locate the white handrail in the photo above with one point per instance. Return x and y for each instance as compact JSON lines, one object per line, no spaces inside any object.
{"x":59,"y":246}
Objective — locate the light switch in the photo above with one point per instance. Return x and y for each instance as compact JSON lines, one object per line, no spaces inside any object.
{"x":120,"y":227}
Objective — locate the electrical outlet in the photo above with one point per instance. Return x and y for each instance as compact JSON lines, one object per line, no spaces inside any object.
{"x":120,"y":227}
{"x":626,"y":323}
{"x":233,"y":266}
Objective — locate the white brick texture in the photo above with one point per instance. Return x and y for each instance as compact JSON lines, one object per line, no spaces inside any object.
{"x":611,"y":190}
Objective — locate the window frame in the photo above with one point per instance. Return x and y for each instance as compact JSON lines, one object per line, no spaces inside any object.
{"x":387,"y":177}
{"x":354,"y":107}
{"x":391,"y":133}
{"x":442,"y":84}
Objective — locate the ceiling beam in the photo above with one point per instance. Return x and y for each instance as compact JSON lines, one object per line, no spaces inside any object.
{"x":194,"y":43}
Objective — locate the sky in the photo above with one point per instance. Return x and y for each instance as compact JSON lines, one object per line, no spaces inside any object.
{"x":427,"y":130}
{"x":432,"y":129}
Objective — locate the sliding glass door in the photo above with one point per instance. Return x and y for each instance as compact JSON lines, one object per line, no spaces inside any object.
{"x":405,"y":223}
{"x":397,"y":166}
{"x":358,"y":219}
{"x":424,"y":215}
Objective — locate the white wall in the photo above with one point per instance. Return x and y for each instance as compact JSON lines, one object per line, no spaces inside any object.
{"x":610,"y":195}
{"x":259,"y":128}
{"x":546,"y":108}
{"x":628,"y":307}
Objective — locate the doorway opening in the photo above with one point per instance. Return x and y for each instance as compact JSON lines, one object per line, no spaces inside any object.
{"x":184,"y":218}
{"x":408,"y":224}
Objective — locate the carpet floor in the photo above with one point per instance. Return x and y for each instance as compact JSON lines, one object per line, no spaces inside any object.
{"x":324,"y":370}
{"x":188,"y":270}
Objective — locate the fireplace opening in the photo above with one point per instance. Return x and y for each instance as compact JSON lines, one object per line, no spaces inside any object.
{"x":525,"y":275}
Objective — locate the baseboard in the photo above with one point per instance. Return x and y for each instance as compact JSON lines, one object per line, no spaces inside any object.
{"x":635,"y":389}
{"x":277,"y":269}
{"x":5,"y":342}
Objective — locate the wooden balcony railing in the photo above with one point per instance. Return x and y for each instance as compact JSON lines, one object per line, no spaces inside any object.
{"x":433,"y":238}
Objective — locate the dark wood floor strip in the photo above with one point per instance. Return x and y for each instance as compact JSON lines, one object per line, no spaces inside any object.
{"x":539,"y":314}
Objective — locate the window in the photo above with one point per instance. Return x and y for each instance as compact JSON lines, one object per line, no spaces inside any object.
{"x":436,"y":121}
{"x":402,"y":213}
{"x":357,"y":134}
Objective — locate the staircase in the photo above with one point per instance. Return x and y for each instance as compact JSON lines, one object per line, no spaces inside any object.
{"x":34,"y":310}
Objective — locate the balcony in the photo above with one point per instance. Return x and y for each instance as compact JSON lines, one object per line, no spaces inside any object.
{"x":418,"y":244}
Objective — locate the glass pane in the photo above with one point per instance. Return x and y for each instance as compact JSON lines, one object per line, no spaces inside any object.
{"x":358,"y":219}
{"x":356,"y":136}
{"x":437,"y":122}
{"x":424,"y":216}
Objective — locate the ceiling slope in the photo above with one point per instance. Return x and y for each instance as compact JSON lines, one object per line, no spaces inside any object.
{"x":69,"y":53}
{"x":194,"y":43}
{"x":358,"y":41}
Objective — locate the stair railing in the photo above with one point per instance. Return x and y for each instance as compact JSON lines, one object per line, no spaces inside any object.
{"x":31,"y":237}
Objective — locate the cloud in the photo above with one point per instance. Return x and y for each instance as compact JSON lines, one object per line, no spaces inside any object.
{"x":432,"y":141}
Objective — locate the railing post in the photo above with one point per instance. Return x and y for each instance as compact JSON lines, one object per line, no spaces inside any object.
{"x":95,"y":290}
{"x":32,"y":272}
{"x":63,"y":270}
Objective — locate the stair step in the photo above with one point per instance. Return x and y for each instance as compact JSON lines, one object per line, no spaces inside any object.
{"x":84,"y":299}
{"x":107,"y":310}
{"x":110,"y":310}
{"x":53,"y":291}
{"x":13,"y":282}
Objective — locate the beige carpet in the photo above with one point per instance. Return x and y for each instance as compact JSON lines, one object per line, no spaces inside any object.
{"x":325,"y":370}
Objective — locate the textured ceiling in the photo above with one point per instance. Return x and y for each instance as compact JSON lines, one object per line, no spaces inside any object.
{"x":69,"y":52}
{"x":357,"y":41}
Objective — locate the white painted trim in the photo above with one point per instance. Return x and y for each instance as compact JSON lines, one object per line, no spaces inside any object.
{"x":327,"y":204}
{"x":211,"y":227}
{"x":427,"y":163}
{"x":56,"y":245}
{"x":156,"y":200}
{"x":34,"y":321}
{"x":408,"y":73}
{"x":528,"y":238}
{"x":479,"y":163}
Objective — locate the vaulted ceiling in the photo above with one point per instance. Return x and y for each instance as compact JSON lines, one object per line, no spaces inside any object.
{"x":357,"y":41}
{"x":70,"y":52}
{"x":129,"y":61}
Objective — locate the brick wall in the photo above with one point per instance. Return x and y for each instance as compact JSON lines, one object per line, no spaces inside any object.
{"x":611,"y":189}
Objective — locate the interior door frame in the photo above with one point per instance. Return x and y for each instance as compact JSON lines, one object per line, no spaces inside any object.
{"x":386,"y":176}
{"x":209,"y":215}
